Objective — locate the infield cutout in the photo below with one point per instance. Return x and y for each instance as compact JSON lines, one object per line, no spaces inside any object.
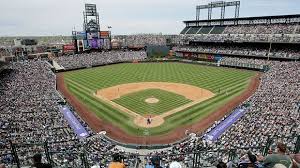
{"x":152,"y":100}
{"x":190,"y":92}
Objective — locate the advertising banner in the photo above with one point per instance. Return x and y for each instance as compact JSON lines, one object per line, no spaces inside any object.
{"x":210,"y":57}
{"x":106,"y":43}
{"x":218,"y":57}
{"x":69,"y":47}
{"x":194,"y":55}
{"x":74,"y":123}
{"x":81,"y":35}
{"x":104,"y":34}
{"x":86,"y":44}
{"x":179,"y":54}
{"x":187,"y":55}
{"x":92,"y":35}
{"x":215,"y":133}
{"x":203,"y":56}
{"x":93,"y":43}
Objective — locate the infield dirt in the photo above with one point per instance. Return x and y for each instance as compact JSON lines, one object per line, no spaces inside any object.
{"x":193,"y":93}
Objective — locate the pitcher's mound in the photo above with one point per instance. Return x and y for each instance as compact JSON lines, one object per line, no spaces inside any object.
{"x":151,"y":100}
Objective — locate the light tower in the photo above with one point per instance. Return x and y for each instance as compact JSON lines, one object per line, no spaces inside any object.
{"x":218,"y":4}
{"x":91,"y":18}
{"x":91,"y":26}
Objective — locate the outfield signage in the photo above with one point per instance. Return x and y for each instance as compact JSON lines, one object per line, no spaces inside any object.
{"x":74,"y":123}
{"x":81,"y":35}
{"x":69,"y":47}
{"x":215,"y":133}
{"x":104,"y":34}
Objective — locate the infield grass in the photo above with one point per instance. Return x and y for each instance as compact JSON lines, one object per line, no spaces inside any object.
{"x":136,"y":101}
{"x":226,"y":83}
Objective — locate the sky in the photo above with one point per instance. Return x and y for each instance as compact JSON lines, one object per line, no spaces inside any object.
{"x":59,"y":17}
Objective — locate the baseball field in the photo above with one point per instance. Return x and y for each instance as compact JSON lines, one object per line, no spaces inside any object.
{"x":171,"y":95}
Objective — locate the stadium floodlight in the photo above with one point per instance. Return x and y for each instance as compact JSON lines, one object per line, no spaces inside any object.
{"x":218,"y":4}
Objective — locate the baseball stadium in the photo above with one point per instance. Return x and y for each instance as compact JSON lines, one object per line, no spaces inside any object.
{"x":222,"y":93}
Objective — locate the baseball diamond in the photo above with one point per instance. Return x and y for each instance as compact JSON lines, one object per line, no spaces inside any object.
{"x":171,"y":103}
{"x":120,"y":111}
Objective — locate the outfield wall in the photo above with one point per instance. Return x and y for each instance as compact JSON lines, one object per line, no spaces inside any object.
{"x":172,"y":60}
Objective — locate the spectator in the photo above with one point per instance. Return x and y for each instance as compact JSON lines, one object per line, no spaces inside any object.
{"x":37,"y":162}
{"x":278,"y":158}
{"x":156,"y":162}
{"x":117,"y":162}
{"x":221,"y":165}
{"x":254,"y":160}
{"x":149,"y":164}
{"x":175,"y":165}
{"x":296,"y":160}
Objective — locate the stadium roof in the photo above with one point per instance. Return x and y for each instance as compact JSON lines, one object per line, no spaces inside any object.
{"x":250,"y":18}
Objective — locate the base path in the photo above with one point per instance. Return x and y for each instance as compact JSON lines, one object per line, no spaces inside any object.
{"x":118,"y":134}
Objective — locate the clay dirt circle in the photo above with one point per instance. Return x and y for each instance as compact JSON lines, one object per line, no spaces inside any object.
{"x":152,"y":100}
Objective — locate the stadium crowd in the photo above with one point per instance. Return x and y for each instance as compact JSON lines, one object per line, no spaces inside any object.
{"x":288,"y":33}
{"x":141,"y":40}
{"x":30,"y":114}
{"x":28,"y":105}
{"x":273,"y":113}
{"x":95,"y":59}
{"x":279,"y":38}
{"x":244,"y":61}
{"x":241,"y":50}
{"x":261,"y":29}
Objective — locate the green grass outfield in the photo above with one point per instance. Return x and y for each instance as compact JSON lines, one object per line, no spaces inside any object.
{"x":136,"y":101}
{"x":83,"y":83}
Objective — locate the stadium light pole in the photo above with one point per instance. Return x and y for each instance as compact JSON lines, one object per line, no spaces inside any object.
{"x":269,"y":50}
{"x":109,"y":29}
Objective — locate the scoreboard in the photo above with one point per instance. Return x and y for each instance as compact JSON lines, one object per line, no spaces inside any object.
{"x":90,"y":10}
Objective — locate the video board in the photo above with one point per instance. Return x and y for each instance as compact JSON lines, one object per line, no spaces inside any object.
{"x":90,"y":10}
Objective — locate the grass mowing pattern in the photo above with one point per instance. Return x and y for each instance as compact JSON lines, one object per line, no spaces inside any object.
{"x":136,"y":101}
{"x":83,"y":83}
